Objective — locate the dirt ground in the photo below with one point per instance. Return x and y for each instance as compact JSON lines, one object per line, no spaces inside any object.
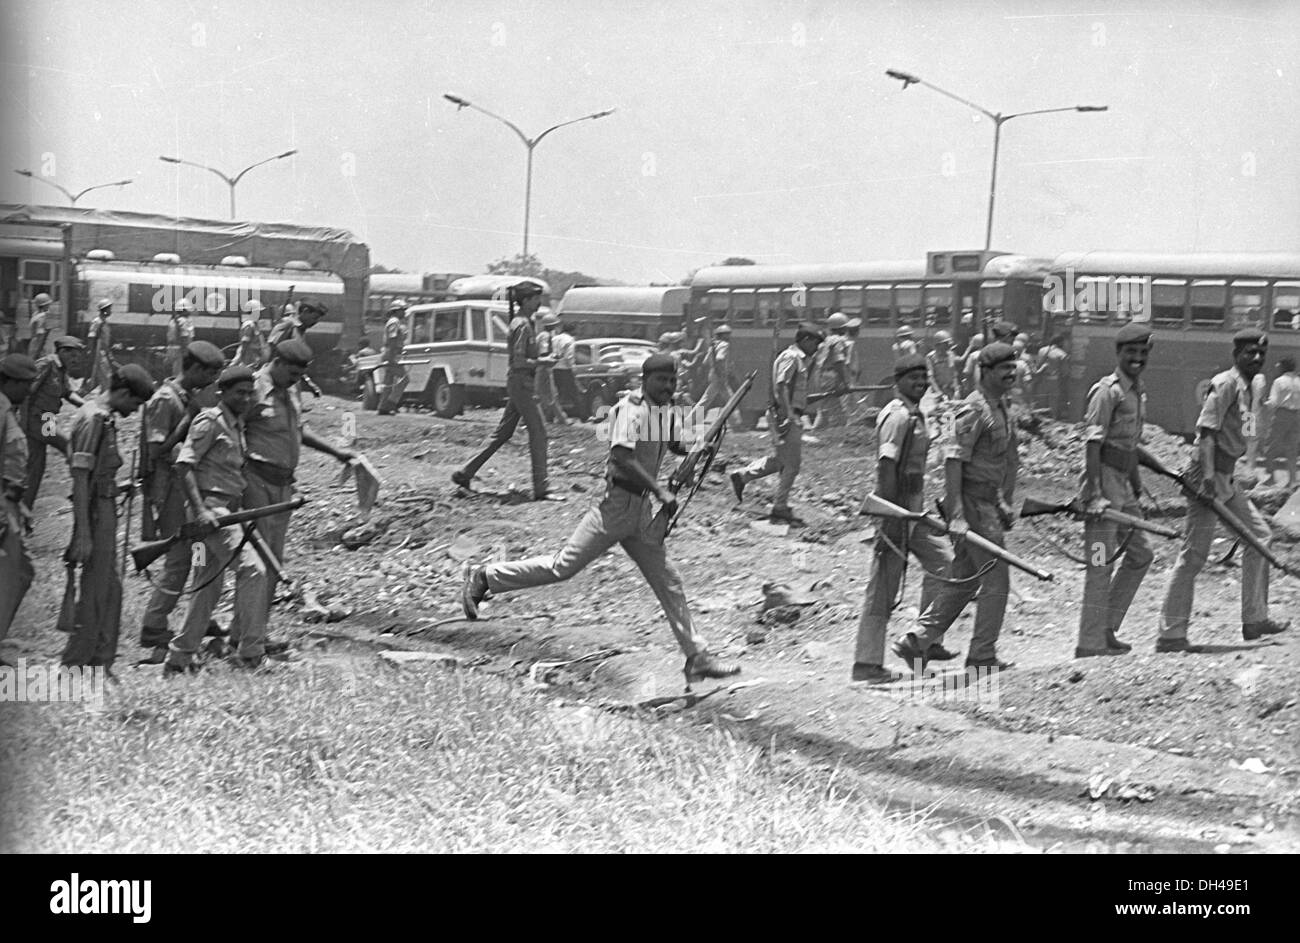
{"x":1141,"y":753}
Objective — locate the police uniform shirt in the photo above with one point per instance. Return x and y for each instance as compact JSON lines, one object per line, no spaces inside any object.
{"x":721,"y":356}
{"x":1226,"y":405}
{"x":985,"y":442}
{"x":101,"y":331}
{"x":942,"y":369}
{"x":214,"y":448}
{"x":790,"y":369}
{"x":903,"y":349}
{"x":1052,"y":361}
{"x":834,"y":351}
{"x":40,"y":335}
{"x":892,"y":427}
{"x":273,"y":430}
{"x":1116,"y":412}
{"x":636,"y":423}
{"x":544,"y":343}
{"x":521,"y":345}
{"x":1285,"y":393}
{"x":93,"y":444}
{"x":562,"y":347}
{"x":395,"y":334}
{"x":48,"y":391}
{"x":288,"y":328}
{"x":13,"y":457}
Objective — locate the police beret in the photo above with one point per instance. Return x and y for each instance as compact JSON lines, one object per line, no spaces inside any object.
{"x":133,"y":377}
{"x":525,"y":289}
{"x":906,"y":364}
{"x":235,"y":373}
{"x":68,"y":342}
{"x":295,"y":352}
{"x":1249,"y":335}
{"x":809,"y":329}
{"x":658,"y":363}
{"x":209,"y":355}
{"x":1133,"y":333}
{"x":996,"y":353}
{"x":311,"y":304}
{"x":18,"y":367}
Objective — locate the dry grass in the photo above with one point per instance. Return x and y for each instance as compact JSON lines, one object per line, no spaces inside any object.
{"x":374,"y":758}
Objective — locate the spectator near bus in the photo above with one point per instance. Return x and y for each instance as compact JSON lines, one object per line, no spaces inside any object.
{"x":395,"y":377}
{"x":1051,"y":376}
{"x":833,"y":372}
{"x":180,"y":334}
{"x":562,"y":349}
{"x":904,"y":342}
{"x":1284,"y":419}
{"x":547,"y":397}
{"x":718,"y":364}
{"x":38,"y":346}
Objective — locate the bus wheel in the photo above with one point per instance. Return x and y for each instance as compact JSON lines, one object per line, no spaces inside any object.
{"x":447,"y":399}
{"x":369,"y":395}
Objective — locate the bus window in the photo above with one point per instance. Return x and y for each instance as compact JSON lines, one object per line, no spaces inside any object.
{"x":820,"y":301}
{"x":769,"y":304}
{"x":718,"y":300}
{"x":1131,"y":298}
{"x":1091,"y":301}
{"x":848,"y":301}
{"x":478,"y":324}
{"x":992,"y":300}
{"x":877,"y":305}
{"x":742,"y":307}
{"x":1168,"y":301}
{"x":1208,"y":303}
{"x":1286,"y":306}
{"x":908,"y":300}
{"x":792,"y":315}
{"x":938,"y":306}
{"x":1246,"y":304}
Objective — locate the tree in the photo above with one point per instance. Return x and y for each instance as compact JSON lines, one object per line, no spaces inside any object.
{"x":737,"y":260}
{"x":531,"y":266}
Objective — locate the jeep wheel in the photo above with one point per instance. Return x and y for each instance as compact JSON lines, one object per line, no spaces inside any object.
{"x":447,"y":399}
{"x":369,"y":395}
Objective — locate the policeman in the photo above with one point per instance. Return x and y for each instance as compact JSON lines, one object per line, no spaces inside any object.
{"x":180,"y":332}
{"x":38,"y":346}
{"x":94,"y":463}
{"x":297,"y":321}
{"x":16,"y":374}
{"x":274,"y":436}
{"x":833,"y":371}
{"x":904,"y":342}
{"x":718,"y":362}
{"x":1113,"y":423}
{"x":941,"y":366}
{"x":163,"y":429}
{"x":980,"y":472}
{"x":547,"y":396}
{"x":210,"y":468}
{"x":1226,"y":415}
{"x":395,"y":379}
{"x":53,"y":385}
{"x":521,"y":390}
{"x":640,"y":434}
{"x":903,"y":443}
{"x":102,"y":364}
{"x":785,"y":421}
{"x":251,"y":350}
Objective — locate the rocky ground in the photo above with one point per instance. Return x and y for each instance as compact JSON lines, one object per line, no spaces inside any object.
{"x":1144,"y":752}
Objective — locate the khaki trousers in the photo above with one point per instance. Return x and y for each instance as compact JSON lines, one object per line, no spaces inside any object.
{"x":522,"y":404}
{"x":786,"y":459}
{"x":1108,"y":591}
{"x":1198,"y":534}
{"x":621,"y":518}
{"x":258,"y":493}
{"x":99,"y":605}
{"x":993,"y":587}
{"x":16,"y":570}
{"x":936,"y":556}
{"x":168,"y":586}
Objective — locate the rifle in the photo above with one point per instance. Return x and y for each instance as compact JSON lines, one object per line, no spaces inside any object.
{"x":147,"y":553}
{"x":1032,"y":507}
{"x":877,"y":506}
{"x":1230,"y":520}
{"x":818,"y":397}
{"x":126,"y":526}
{"x":695,"y":466}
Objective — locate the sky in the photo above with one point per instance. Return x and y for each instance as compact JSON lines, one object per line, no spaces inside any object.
{"x":761,"y":129}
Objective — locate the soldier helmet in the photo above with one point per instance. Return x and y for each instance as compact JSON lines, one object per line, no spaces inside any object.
{"x":104,"y":304}
{"x":253,"y":306}
{"x":942,"y":337}
{"x":837,"y":321}
{"x":904,"y":330}
{"x":551,"y":319}
{"x":397,"y":304}
{"x":42,"y":299}
{"x":722,"y":329}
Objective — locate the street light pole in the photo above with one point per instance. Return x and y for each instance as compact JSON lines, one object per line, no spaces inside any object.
{"x":530,"y":144}
{"x":998,"y":120}
{"x":72,"y":197}
{"x":230,"y":181}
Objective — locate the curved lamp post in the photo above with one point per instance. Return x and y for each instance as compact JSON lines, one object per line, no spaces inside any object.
{"x":72,"y":197}
{"x":230,"y":181}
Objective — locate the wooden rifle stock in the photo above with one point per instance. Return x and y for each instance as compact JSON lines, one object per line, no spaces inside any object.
{"x":147,"y":553}
{"x":877,"y":506}
{"x":1032,"y":507}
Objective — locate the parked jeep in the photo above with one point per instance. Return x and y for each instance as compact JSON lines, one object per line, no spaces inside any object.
{"x":455,"y":355}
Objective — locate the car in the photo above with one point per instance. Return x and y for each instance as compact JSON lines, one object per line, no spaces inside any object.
{"x":455,"y":355}
{"x":602,"y":367}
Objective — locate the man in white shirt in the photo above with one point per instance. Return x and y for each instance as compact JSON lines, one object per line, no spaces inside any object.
{"x":1284,"y":418}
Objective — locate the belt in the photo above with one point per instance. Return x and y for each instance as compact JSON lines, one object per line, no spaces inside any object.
{"x":629,"y":487}
{"x":980,"y":491}
{"x":271,"y":474}
{"x":1121,"y":459}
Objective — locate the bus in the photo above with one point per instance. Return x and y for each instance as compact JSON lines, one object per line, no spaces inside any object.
{"x":409,"y":288}
{"x":1194,"y":301}
{"x":640,"y":313}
